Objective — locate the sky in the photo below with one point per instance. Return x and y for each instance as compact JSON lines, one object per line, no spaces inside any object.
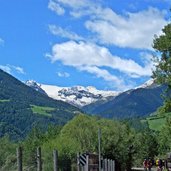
{"x":102,"y":43}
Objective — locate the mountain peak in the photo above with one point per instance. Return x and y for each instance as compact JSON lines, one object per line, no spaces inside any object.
{"x":77,"y":95}
{"x":31,"y":83}
{"x":147,"y":84}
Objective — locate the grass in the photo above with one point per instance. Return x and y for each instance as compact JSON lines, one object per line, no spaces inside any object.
{"x":4,"y":100}
{"x":157,"y":122}
{"x":42,"y":110}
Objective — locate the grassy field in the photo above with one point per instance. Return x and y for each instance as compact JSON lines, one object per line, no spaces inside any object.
{"x":2,"y":101}
{"x":42,"y":110}
{"x":157,"y":122}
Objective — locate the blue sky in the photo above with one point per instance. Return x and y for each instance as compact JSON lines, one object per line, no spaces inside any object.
{"x":102,"y":43}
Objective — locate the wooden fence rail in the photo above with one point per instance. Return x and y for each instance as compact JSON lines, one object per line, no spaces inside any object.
{"x":85,"y":161}
{"x":19,"y":152}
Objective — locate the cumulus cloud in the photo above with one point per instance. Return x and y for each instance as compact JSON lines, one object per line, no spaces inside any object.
{"x":63,"y":74}
{"x":93,"y":55}
{"x":11,"y":68}
{"x":116,"y":82}
{"x":107,"y":27}
{"x":91,"y":58}
{"x":54,"y":6}
{"x":58,"y":31}
{"x":135,"y":30}
{"x":76,"y":4}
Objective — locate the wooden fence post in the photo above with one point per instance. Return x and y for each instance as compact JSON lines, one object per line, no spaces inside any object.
{"x":55,"y":160}
{"x":87,"y":163}
{"x":108,"y":165}
{"x":19,"y":159}
{"x":113,"y":165}
{"x":39,"y":159}
{"x":105,"y":165}
{"x":78,"y":161}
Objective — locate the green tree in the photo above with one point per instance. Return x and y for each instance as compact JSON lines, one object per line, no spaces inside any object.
{"x":165,"y":139}
{"x":33,"y":140}
{"x":162,"y":73}
{"x":7,"y":157}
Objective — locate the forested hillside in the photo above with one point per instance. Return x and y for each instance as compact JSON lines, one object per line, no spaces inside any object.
{"x":22,"y":108}
{"x":133,"y":103}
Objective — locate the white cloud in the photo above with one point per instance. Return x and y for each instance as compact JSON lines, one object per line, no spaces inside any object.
{"x":76,"y":4}
{"x":136,"y":30}
{"x":18,"y":69}
{"x":11,"y":68}
{"x":118,"y":83}
{"x":90,"y":57}
{"x":54,"y":6}
{"x":133,"y":30}
{"x":58,"y":31}
{"x":90,"y":54}
{"x":63,"y":74}
{"x":78,"y":8}
{"x":5,"y":68}
{"x":105,"y":26}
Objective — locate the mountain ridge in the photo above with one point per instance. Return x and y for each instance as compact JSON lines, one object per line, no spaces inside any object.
{"x":21,"y":108}
{"x":138,"y":102}
{"x":77,"y":95}
{"x":80,"y":96}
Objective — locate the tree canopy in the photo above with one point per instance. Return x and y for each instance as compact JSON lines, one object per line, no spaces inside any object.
{"x":162,"y":72}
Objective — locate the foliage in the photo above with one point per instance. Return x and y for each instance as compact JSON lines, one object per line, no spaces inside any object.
{"x":7,"y":151}
{"x":165,"y":139}
{"x":19,"y":103}
{"x":162,"y":73}
{"x":127,"y":146}
{"x":118,"y":141}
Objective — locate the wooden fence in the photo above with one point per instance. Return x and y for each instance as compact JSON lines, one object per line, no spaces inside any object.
{"x":85,"y":161}
{"x":38,"y":158}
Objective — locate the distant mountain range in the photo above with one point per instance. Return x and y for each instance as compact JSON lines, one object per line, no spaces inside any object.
{"x":22,"y":108}
{"x":78,"y":95}
{"x":140,"y":101}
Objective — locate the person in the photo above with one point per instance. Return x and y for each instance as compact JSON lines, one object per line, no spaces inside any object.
{"x":145,"y":162}
{"x":159,"y":165}
{"x":149,"y":164}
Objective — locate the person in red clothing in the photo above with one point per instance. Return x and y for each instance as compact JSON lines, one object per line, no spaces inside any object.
{"x":149,"y":164}
{"x":145,"y":164}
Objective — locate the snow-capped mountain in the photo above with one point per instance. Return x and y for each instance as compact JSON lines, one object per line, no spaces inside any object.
{"x":77,"y":95}
{"x":148,"y":84}
{"x":35,"y":85}
{"x":140,"y":101}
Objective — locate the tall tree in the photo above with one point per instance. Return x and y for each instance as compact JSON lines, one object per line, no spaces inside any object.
{"x":162,"y":73}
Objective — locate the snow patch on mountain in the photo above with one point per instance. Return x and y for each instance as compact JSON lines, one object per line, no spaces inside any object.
{"x":77,"y":95}
{"x":148,"y":84}
{"x":33,"y":84}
